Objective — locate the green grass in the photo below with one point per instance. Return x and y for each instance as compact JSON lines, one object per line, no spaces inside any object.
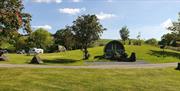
{"x":26,"y":79}
{"x":153,"y":54}
{"x":105,"y":41}
{"x":146,"y":52}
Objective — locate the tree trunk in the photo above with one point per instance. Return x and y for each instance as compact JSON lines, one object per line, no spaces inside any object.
{"x":86,"y":55}
{"x":124,"y":42}
{"x":178,"y":67}
{"x":129,"y":42}
{"x":163,"y":52}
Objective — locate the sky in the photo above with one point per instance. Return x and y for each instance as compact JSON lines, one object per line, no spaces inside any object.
{"x":145,"y":16}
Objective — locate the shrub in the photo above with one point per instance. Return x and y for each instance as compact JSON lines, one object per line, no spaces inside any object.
{"x":151,"y":41}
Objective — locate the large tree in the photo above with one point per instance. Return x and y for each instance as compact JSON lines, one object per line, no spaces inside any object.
{"x":176,"y":29}
{"x":86,"y":30}
{"x":172,"y":38}
{"x":12,"y":16}
{"x":40,"y":38}
{"x":65,"y":37}
{"x":124,"y":33}
{"x":21,"y":43}
{"x":169,"y":38}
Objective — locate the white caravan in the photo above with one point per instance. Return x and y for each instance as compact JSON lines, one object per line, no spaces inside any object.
{"x":36,"y":50}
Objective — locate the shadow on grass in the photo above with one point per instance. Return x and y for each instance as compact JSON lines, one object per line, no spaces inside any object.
{"x":99,"y":57}
{"x":165,"y":54}
{"x":62,"y":61}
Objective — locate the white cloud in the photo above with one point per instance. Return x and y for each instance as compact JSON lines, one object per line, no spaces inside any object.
{"x":148,"y":32}
{"x":168,"y":23}
{"x":103,"y":16}
{"x":71,"y":11}
{"x":47,"y":1}
{"x":76,"y":1}
{"x":47,"y":27}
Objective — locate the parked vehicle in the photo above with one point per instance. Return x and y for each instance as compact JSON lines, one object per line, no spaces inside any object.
{"x":36,"y":51}
{"x":3,"y":51}
{"x":21,"y":52}
{"x":61,"y":48}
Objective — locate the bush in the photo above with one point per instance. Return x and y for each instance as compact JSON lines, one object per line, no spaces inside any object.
{"x":102,"y":44}
{"x":137,"y":42}
{"x":8,"y":46}
{"x":151,"y":41}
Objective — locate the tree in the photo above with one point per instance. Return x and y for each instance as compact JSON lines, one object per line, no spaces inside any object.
{"x":40,"y":38}
{"x":12,"y":16}
{"x":65,"y":37}
{"x":87,"y":29}
{"x":9,"y":40}
{"x":170,"y":38}
{"x":175,"y":28}
{"x":151,"y":41}
{"x":124,"y":33}
{"x":139,"y":38}
{"x":2,"y":39}
{"x":163,"y":44}
{"x":173,"y":38}
{"x":21,"y":43}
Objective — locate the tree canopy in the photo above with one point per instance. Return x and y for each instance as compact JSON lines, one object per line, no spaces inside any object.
{"x":65,"y":37}
{"x":86,"y":30}
{"x":12,"y":16}
{"x":176,"y":29}
{"x":124,"y":33}
{"x":40,"y":38}
{"x":172,"y":38}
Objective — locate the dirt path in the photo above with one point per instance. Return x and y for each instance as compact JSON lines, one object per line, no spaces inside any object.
{"x":122,"y":66}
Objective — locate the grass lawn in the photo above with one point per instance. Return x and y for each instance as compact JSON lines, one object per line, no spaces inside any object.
{"x":26,"y":79}
{"x":153,"y":54}
{"x":146,"y":52}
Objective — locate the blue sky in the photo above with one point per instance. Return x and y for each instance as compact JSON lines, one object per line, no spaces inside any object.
{"x":145,"y":16}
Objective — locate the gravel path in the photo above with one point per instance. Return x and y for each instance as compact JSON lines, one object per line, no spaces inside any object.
{"x":105,"y":66}
{"x":116,"y":63}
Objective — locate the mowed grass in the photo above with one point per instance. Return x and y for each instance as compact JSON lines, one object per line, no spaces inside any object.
{"x":146,"y":53}
{"x":154,"y":54}
{"x":26,"y":79}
